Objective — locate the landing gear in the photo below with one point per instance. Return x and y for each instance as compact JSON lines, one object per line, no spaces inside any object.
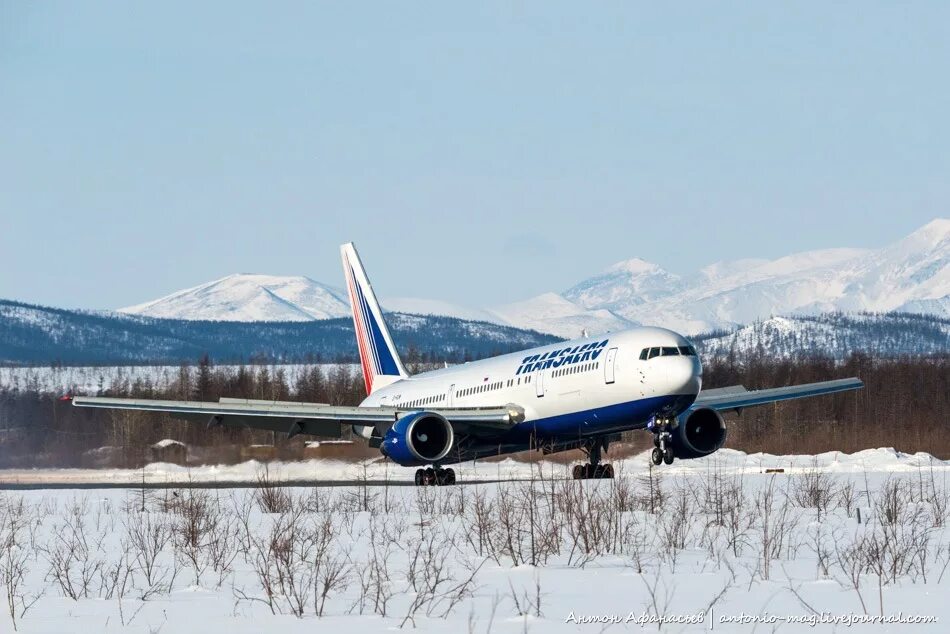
{"x":435,"y":476}
{"x":662,"y":443}
{"x":594,"y":470}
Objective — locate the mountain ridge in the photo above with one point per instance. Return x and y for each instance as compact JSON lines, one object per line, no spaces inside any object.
{"x":909,"y":275}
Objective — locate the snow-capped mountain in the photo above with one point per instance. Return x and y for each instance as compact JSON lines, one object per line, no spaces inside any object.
{"x":559,"y":316}
{"x":911,"y":275}
{"x":831,"y":334}
{"x":243,"y":297}
{"x":250,"y":298}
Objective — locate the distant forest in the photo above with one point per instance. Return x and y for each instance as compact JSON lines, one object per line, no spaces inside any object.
{"x":905,"y":405}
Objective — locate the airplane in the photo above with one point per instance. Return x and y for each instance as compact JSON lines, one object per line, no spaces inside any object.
{"x":579,"y":394}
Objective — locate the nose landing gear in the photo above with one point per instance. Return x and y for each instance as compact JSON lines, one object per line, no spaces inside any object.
{"x":436,"y":476}
{"x":662,"y":442}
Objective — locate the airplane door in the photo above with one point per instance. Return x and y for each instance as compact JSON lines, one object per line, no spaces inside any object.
{"x":450,"y":397}
{"x":609,"y":365}
{"x":539,"y":383}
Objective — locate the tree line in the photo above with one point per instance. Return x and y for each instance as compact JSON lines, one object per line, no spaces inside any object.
{"x":904,"y":404}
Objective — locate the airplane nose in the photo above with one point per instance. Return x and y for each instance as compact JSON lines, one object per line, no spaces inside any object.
{"x":686,"y":376}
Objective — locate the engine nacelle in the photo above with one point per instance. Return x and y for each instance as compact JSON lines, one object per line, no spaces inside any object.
{"x":418,"y":438}
{"x":698,"y":433}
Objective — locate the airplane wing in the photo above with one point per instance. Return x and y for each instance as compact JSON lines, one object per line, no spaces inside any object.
{"x":314,"y":419}
{"x":737,"y":397}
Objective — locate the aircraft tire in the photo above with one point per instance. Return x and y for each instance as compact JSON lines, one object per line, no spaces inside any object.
{"x":668,"y":455}
{"x":656,"y":456}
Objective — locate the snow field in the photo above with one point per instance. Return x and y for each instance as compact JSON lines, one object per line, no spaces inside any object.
{"x":711,"y":541}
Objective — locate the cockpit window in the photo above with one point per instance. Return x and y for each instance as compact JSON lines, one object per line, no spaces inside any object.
{"x":667,"y":351}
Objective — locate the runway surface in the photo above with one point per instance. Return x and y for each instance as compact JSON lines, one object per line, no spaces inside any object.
{"x":242,"y":484}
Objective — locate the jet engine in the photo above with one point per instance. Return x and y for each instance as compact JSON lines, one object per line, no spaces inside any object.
{"x":418,"y":438}
{"x":698,"y":433}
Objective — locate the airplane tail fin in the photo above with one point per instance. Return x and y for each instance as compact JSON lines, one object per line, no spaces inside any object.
{"x":378,"y":356}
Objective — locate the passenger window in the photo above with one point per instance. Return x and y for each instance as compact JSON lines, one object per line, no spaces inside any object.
{"x":654,"y":352}
{"x":671,"y":352}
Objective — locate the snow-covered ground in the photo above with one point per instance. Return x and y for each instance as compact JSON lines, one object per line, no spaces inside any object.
{"x":703,"y":542}
{"x":727,"y":461}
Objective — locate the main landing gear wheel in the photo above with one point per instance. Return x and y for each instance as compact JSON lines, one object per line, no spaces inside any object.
{"x":593,"y":469}
{"x":434,"y":477}
{"x":593,"y":472}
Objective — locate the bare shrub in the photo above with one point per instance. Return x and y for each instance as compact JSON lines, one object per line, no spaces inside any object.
{"x":271,"y":497}
{"x":431,"y":576}
{"x":75,"y":557}
{"x":16,"y":521}
{"x":653,"y":496}
{"x":814,"y":489}
{"x":590,"y":519}
{"x":195,"y":526}
{"x":374,"y":574}
{"x":774,"y":524}
{"x":847,"y":497}
{"x":148,"y":535}
{"x":523,"y":529}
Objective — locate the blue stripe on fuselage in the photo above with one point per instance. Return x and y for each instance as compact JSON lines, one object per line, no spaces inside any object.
{"x":600,"y":420}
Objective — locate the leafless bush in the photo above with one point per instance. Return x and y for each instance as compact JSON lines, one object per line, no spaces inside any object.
{"x":479,"y":525}
{"x":674,"y":525}
{"x":817,"y":542}
{"x":852,"y":560}
{"x":374,"y":574}
{"x":528,"y":604}
{"x":590,"y":519}
{"x":147,"y":536}
{"x":198,"y":524}
{"x":362,"y":498}
{"x":116,"y":581}
{"x":331,"y":566}
{"x":653,"y":495}
{"x":271,"y":496}
{"x":75,"y":558}
{"x":431,"y":576}
{"x":16,"y":521}
{"x":774,"y":523}
{"x":847,"y":497}
{"x":814,"y":489}
{"x":891,"y":503}
{"x":523,"y":529}
{"x":937,"y":495}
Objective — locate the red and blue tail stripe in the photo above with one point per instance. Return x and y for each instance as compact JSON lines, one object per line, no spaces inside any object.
{"x":378,"y":356}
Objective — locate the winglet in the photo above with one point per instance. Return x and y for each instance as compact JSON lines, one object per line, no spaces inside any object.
{"x":378,"y":356}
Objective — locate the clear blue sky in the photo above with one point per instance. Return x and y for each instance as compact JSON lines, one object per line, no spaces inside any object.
{"x":479,"y":153}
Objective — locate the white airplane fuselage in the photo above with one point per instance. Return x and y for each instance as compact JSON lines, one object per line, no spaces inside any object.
{"x":573,"y":389}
